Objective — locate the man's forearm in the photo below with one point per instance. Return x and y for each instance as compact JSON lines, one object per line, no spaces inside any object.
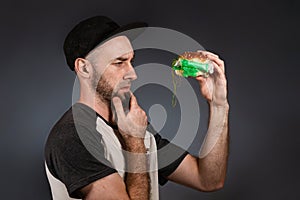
{"x":214,"y":151}
{"x":137,"y":178}
{"x":137,"y":185}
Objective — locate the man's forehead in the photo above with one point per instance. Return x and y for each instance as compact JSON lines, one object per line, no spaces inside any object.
{"x":115,"y":47}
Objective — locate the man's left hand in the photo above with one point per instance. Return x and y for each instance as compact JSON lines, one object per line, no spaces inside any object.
{"x":214,"y":87}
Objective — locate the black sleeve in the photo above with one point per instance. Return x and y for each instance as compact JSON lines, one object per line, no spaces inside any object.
{"x":76,"y":161}
{"x":169,"y":156}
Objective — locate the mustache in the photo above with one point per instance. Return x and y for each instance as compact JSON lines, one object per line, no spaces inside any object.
{"x":123,"y":84}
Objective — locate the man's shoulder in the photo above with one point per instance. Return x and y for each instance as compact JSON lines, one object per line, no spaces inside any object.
{"x":73,"y":135}
{"x":78,"y":119}
{"x":77,"y":115}
{"x":63,"y":125}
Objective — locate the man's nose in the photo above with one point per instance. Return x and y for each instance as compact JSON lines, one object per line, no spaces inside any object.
{"x":130,"y":74}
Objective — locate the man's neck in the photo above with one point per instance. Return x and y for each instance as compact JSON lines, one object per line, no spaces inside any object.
{"x":103,"y":108}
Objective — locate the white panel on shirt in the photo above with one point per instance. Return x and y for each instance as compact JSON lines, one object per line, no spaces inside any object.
{"x":113,"y":153}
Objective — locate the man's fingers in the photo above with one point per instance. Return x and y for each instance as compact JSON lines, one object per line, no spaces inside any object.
{"x":119,"y":107}
{"x":217,"y":61}
{"x":201,"y":79}
{"x":133,"y":101}
{"x":215,"y":58}
{"x":218,"y":70}
{"x":208,"y":53}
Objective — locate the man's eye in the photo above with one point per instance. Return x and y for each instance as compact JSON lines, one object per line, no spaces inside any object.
{"x":118,"y":63}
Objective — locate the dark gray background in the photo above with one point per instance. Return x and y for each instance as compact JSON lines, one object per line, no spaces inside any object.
{"x":259,"y":41}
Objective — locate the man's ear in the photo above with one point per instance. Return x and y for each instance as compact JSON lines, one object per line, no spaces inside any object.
{"x":82,"y":67}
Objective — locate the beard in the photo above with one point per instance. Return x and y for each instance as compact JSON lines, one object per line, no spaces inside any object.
{"x":105,"y":92}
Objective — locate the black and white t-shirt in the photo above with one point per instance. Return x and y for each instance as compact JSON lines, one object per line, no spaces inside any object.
{"x":82,"y":148}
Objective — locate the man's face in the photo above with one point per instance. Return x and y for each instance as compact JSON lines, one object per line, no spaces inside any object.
{"x":113,"y":72}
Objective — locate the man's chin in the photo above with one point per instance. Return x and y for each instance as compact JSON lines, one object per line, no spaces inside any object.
{"x":125,"y":98}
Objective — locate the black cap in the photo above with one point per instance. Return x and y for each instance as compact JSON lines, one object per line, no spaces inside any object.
{"x":89,"y":33}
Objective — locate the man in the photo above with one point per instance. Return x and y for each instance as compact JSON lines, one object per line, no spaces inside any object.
{"x":104,"y":148}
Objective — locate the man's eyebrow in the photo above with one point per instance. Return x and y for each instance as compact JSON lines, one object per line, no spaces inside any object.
{"x":123,"y":58}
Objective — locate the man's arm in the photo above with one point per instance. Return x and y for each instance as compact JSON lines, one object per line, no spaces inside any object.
{"x":132,"y":129}
{"x":113,"y":187}
{"x":137,"y":177}
{"x":136,"y":185}
{"x":109,"y":187}
{"x":207,"y":171}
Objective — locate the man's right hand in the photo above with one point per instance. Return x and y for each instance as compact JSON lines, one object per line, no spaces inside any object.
{"x":132,"y":126}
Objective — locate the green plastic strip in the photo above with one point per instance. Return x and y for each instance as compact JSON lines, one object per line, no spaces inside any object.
{"x":190,"y":68}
